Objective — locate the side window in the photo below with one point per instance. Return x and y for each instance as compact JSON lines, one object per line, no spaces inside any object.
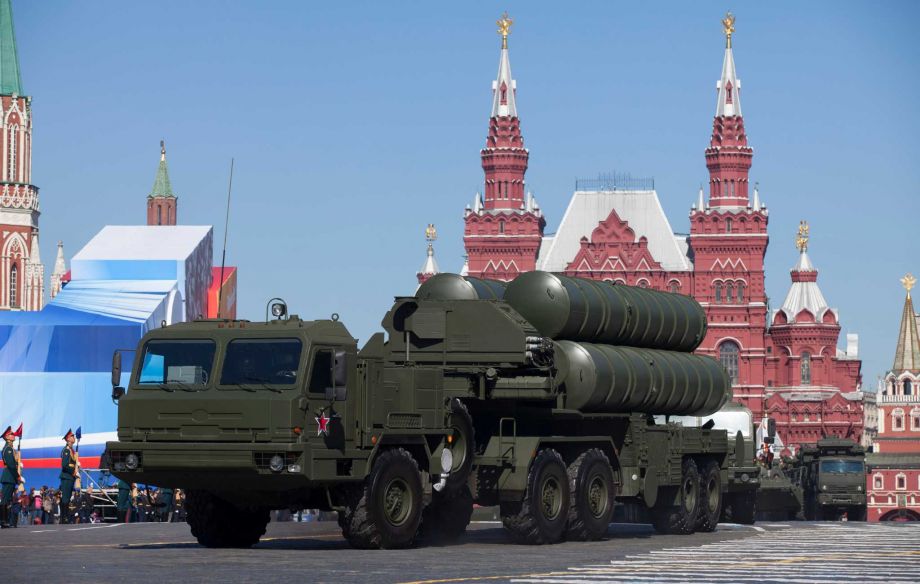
{"x":321,"y":376}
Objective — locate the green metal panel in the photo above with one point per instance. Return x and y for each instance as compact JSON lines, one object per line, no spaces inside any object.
{"x":606,"y":379}
{"x":454,"y":287}
{"x":10,"y":80}
{"x":577,"y":309}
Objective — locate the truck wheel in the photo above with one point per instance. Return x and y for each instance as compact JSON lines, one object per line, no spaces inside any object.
{"x":741,"y":508}
{"x":710,"y":497}
{"x":593,"y":494}
{"x":463,"y":444}
{"x":446,"y":517}
{"x":219,"y":524}
{"x":681,"y":519}
{"x":541,"y":517}
{"x":387,"y":512}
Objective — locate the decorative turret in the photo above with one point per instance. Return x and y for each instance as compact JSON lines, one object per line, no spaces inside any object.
{"x":728,"y":156}
{"x":430,"y":267}
{"x":504,"y":228}
{"x":60,"y":271}
{"x":504,"y":159}
{"x":907,"y":353}
{"x":162,"y":203}
{"x":804,"y":299}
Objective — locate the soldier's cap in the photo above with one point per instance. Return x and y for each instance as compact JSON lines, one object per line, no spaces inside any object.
{"x":69,"y":434}
{"x":8,"y":432}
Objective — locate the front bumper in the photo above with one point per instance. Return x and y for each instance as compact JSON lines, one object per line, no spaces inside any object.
{"x":743,"y":479}
{"x":841,"y":499}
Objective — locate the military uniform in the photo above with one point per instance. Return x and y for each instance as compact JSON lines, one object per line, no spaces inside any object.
{"x":165,"y":500}
{"x":123,"y":504}
{"x":9,"y":479}
{"x":68,"y":477}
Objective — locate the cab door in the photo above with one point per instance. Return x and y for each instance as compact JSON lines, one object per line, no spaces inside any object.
{"x":332,"y":380}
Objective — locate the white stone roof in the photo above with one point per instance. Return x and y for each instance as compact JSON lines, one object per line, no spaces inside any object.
{"x":509,"y":108}
{"x":641,"y":209}
{"x":805,"y":295}
{"x":723,"y":107}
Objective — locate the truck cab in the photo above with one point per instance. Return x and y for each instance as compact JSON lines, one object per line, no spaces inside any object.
{"x":832,"y":474}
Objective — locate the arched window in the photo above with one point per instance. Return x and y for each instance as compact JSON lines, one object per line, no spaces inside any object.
{"x":728,"y":357}
{"x":718,"y":292}
{"x":14,"y":280}
{"x":159,"y":214}
{"x":674,"y":286}
{"x":501,"y":227}
{"x":740,"y":292}
{"x":878,"y":482}
{"x":897,"y":419}
{"x":729,"y":292}
{"x":915,"y":419}
{"x":907,"y":387}
{"x":728,"y":224}
{"x":806,"y":368}
{"x":642,"y":283}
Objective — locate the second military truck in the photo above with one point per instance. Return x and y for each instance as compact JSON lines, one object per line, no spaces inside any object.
{"x":537,"y":396}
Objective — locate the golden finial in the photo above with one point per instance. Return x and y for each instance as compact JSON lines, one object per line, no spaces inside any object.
{"x":801,"y":239}
{"x":728,"y":25}
{"x":162,"y":150}
{"x":504,"y":28}
{"x":908,"y":282}
{"x":431,"y":233}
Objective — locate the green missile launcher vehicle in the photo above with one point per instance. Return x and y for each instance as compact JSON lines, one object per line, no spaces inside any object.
{"x":527,"y":396}
{"x":832,"y":476}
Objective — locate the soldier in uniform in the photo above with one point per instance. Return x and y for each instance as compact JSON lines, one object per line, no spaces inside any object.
{"x":68,"y":476}
{"x":123,"y":504}
{"x":10,"y":478}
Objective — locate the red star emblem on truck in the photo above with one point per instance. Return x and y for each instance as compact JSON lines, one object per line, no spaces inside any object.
{"x":322,"y":423}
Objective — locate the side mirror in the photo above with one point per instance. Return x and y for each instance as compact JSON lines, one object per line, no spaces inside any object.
{"x":117,"y":393}
{"x":771,"y":427}
{"x":339,"y":389}
{"x":116,"y":369}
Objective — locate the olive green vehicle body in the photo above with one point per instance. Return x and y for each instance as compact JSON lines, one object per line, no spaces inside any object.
{"x":779,"y":498}
{"x":832,"y":477}
{"x":396,"y":392}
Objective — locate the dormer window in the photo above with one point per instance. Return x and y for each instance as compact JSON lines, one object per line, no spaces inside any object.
{"x":504,"y":94}
{"x":728,"y":92}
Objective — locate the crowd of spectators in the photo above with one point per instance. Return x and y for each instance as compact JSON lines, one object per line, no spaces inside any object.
{"x":42,"y":506}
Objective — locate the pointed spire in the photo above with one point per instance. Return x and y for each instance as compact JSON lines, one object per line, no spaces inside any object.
{"x":503,"y":88}
{"x":60,"y":265}
{"x":756,"y":205}
{"x":10,"y":80}
{"x":35,"y":257}
{"x":161,"y":184}
{"x":907,"y":353}
{"x":477,"y":203}
{"x":465,"y":270}
{"x":430,"y":267}
{"x":701,"y":204}
{"x":729,"y":86}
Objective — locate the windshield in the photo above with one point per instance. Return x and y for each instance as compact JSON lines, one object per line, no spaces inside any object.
{"x":842,"y":466}
{"x":183,"y":362}
{"x":262,"y":361}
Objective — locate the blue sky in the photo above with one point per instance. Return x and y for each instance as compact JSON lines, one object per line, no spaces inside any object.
{"x":355,"y":124}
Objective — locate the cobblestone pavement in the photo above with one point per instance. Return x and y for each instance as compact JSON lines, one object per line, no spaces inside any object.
{"x":316,"y":552}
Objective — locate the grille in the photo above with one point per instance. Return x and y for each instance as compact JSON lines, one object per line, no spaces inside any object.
{"x":404,"y":421}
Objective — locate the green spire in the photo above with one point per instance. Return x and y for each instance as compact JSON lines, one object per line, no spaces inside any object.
{"x":161,"y":186}
{"x":10,"y":81}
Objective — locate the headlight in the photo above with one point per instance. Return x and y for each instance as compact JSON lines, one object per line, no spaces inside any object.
{"x":745,"y":477}
{"x":276,"y":463}
{"x":294,"y":468}
{"x":131,"y":461}
{"x":859,"y":488}
{"x":823,"y":487}
{"x":447,"y":460}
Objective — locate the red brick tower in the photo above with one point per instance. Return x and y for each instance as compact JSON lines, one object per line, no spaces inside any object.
{"x":22,"y":274}
{"x":162,"y":203}
{"x":728,"y":238}
{"x":503,"y":231}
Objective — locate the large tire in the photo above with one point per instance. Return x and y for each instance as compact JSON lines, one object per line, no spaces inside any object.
{"x":710,"y":497}
{"x":387,"y":512}
{"x":741,"y":508}
{"x":445,"y":519}
{"x":462,"y":444}
{"x":541,"y":517}
{"x":681,"y":519}
{"x":593,"y":495}
{"x":219,"y":524}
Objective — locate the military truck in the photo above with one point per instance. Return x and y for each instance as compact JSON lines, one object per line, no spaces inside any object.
{"x":742,"y":483}
{"x":832,"y":476}
{"x":537,"y":397}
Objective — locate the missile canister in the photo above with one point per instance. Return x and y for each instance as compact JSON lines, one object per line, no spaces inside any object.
{"x":456,"y":287}
{"x":577,"y":309}
{"x":605,"y":379}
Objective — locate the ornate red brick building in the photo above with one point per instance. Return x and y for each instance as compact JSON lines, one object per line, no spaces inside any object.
{"x":785,"y":363}
{"x":893,"y":483}
{"x":22,"y":274}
